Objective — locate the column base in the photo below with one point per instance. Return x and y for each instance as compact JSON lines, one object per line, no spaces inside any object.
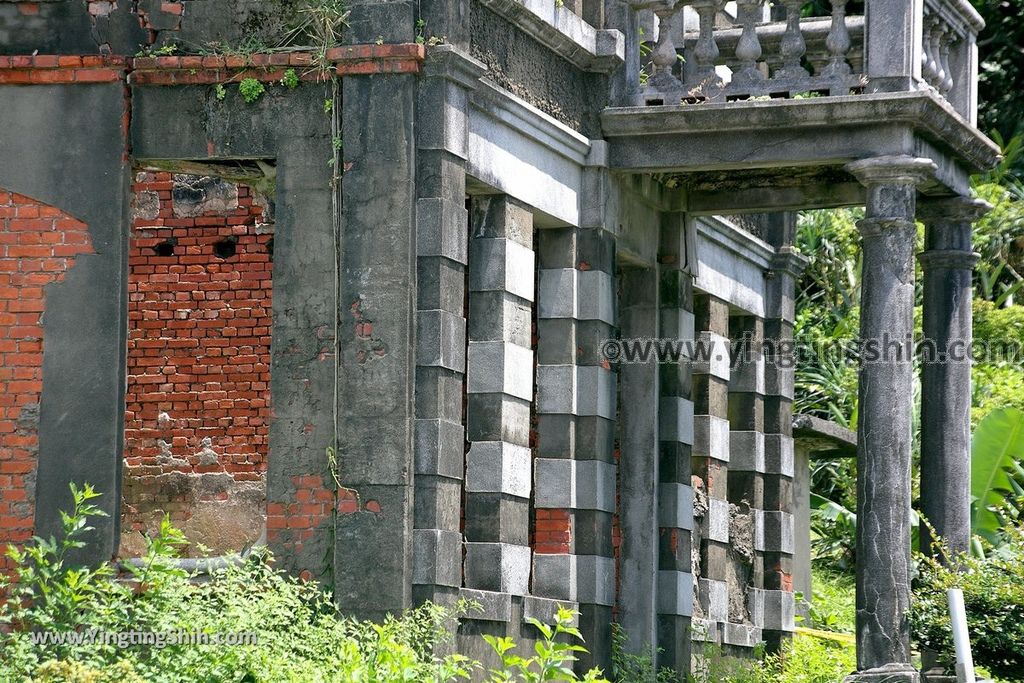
{"x":890,"y":673}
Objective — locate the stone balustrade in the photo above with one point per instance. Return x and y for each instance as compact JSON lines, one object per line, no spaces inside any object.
{"x":713,"y":51}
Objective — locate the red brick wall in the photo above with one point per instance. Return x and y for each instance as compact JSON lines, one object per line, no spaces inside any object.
{"x":38,"y":244}
{"x":198,"y":396}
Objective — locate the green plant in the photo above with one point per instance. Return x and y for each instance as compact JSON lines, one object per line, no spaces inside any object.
{"x":993,"y":590}
{"x":997,"y":476}
{"x":290,"y":79}
{"x":219,"y":91}
{"x":553,"y":659}
{"x":631,"y":668}
{"x":251,"y":89}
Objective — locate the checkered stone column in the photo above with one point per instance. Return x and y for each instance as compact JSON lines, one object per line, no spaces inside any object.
{"x":499,"y":387}
{"x":709,"y":467}
{"x":746,"y":474}
{"x":778,"y":440}
{"x":574,"y":495}
{"x":675,"y":442}
{"x":442,"y":236}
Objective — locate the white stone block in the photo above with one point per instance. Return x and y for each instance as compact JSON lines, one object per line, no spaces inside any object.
{"x":498,"y":467}
{"x":557,"y":293}
{"x":494,"y":367}
{"x":711,"y":437}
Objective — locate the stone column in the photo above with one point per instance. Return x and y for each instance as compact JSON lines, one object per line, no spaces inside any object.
{"x":710,"y":468}
{"x":638,"y":465}
{"x":499,"y":387}
{"x":883,"y":429}
{"x":675,"y":493}
{"x":442,"y":238}
{"x":948,"y":263}
{"x":574,"y":468}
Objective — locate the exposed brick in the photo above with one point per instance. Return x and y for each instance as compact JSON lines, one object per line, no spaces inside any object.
{"x":24,"y":221}
{"x":190,"y":405}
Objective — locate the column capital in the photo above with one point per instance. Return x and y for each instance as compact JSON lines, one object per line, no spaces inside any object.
{"x":789,"y":261}
{"x":952,"y":209}
{"x":951,"y":259}
{"x":874,"y":227}
{"x":895,"y":169}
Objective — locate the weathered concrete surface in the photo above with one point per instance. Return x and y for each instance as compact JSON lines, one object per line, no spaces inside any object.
{"x":638,"y":466}
{"x":376,"y":372}
{"x":948,"y":264}
{"x":529,"y":70}
{"x":82,"y":410}
{"x":883,"y":428}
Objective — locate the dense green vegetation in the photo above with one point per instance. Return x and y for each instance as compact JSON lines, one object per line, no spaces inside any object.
{"x":301,"y":637}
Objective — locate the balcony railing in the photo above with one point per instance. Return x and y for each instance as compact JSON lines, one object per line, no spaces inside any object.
{"x":712,"y":51}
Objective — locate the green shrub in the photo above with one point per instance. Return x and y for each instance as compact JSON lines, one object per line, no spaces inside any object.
{"x":301,"y":637}
{"x":994,"y":597}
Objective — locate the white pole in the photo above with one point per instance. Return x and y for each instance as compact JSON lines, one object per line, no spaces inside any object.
{"x":961,"y":639}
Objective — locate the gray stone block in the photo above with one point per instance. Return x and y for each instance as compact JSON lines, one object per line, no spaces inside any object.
{"x":595,"y":485}
{"x":441,"y":340}
{"x":705,"y":631}
{"x":678,"y":325}
{"x":675,"y":506}
{"x":545,"y":610}
{"x":499,"y":567}
{"x":714,"y":598}
{"x":441,"y":229}
{"x":675,"y":419}
{"x":741,"y":635}
{"x":595,"y":576}
{"x":556,"y":389}
{"x":501,"y":265}
{"x":715,"y":525}
{"x":556,"y":293}
{"x":500,"y":316}
{"x":675,"y":593}
{"x":554,"y":483}
{"x":779,"y":611}
{"x":574,"y":484}
{"x":711,"y":437}
{"x":498,"y":467}
{"x":746,"y":451}
{"x":556,"y":341}
{"x":778,"y":454}
{"x":595,"y":391}
{"x":712,"y":357}
{"x":779,"y":381}
{"x":498,"y":417}
{"x":499,"y":368}
{"x":440,"y":448}
{"x":437,"y":557}
{"x":440,"y":284}
{"x":778,"y":532}
{"x":596,"y":296}
{"x":757,"y":517}
{"x":554,"y":576}
{"x":494,"y":605}
{"x":748,"y":376}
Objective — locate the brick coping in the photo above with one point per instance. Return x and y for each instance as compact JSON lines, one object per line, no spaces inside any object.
{"x":349,"y":60}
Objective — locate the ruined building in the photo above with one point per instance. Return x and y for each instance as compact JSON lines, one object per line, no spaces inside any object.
{"x":355,"y":295}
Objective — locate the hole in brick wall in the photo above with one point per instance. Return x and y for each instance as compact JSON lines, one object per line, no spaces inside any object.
{"x":270,"y":249}
{"x":198,"y":391}
{"x":165,"y":248}
{"x":226,"y":248}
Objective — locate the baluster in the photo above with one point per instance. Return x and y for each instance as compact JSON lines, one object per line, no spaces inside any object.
{"x":662,"y":86}
{"x":837,"y":42}
{"x":748,"y":49}
{"x":935,"y":40}
{"x":793,"y":46}
{"x":663,"y":56}
{"x":947,"y":81}
{"x":705,"y":51}
{"x":928,"y":62}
